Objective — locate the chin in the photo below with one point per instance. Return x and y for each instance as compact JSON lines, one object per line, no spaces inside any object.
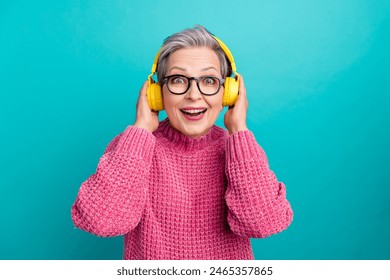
{"x":191,"y":128}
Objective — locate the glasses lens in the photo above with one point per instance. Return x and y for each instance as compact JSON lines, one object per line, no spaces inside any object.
{"x":177,"y":84}
{"x":209,"y":85}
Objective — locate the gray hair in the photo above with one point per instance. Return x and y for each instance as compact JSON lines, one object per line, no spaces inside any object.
{"x":191,"y":37}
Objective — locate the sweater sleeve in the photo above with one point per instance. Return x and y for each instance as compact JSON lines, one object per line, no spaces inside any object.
{"x":256,"y":201}
{"x":111,"y":201}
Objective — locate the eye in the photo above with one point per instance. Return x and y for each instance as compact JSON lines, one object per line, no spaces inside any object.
{"x":178,"y":80}
{"x":209,"y":81}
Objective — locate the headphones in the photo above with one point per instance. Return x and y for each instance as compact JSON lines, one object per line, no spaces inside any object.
{"x":231,"y":83}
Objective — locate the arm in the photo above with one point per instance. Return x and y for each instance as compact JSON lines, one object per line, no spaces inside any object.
{"x":257,"y":204}
{"x":112,"y":200}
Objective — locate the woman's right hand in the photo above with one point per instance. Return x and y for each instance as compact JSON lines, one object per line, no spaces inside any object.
{"x":145,"y":118}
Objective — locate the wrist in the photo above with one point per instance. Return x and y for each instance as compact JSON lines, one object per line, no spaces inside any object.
{"x":142,"y":125}
{"x":237,"y":129}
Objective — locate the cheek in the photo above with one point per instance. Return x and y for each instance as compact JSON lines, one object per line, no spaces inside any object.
{"x":171,"y":102}
{"x":166,"y":99}
{"x":216,"y":103}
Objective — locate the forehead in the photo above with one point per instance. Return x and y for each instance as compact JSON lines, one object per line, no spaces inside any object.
{"x":199,"y":57}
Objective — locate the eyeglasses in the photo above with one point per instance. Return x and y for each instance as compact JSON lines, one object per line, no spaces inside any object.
{"x":180,"y":84}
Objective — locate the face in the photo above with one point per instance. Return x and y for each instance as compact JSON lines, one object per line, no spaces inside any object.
{"x":192,"y":113}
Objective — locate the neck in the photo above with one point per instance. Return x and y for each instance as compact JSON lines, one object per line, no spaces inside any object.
{"x":180,"y":141}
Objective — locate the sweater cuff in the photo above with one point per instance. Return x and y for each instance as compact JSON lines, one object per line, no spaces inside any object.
{"x":137,"y":141}
{"x":242,"y":145}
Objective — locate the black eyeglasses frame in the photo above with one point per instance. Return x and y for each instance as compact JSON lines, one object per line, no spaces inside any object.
{"x":197,"y":79}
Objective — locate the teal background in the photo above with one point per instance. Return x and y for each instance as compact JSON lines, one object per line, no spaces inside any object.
{"x":317,"y":76}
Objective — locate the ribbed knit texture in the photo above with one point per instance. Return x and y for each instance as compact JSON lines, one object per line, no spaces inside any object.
{"x":175,"y":197}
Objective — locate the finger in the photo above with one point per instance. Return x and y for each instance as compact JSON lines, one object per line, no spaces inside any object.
{"x":241,"y":98}
{"x":143,"y":90}
{"x":241,"y":89}
{"x":142,"y":94}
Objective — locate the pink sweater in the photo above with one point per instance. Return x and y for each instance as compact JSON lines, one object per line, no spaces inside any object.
{"x":175,"y":197}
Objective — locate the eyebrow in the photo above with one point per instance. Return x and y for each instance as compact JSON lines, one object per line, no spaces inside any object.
{"x":208,"y":68}
{"x":183,"y":69}
{"x":176,"y":67}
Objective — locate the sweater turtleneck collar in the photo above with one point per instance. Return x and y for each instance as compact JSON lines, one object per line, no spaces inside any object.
{"x":186,"y":143}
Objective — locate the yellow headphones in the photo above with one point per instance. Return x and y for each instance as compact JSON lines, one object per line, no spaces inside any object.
{"x":231,"y":84}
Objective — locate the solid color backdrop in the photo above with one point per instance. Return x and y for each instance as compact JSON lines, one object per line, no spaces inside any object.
{"x":317,"y":76}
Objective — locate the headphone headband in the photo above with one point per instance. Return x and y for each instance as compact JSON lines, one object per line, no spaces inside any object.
{"x":224,"y":48}
{"x":227,"y":53}
{"x":154,"y":66}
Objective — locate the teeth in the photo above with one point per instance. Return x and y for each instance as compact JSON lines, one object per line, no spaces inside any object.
{"x":193,"y":111}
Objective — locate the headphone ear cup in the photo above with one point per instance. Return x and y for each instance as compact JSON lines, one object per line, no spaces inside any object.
{"x":230,"y":93}
{"x":154,"y":96}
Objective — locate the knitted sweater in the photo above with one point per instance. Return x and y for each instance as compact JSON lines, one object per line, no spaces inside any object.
{"x":175,"y":197}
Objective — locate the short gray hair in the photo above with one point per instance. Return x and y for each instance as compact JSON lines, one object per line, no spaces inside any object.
{"x":191,"y":37}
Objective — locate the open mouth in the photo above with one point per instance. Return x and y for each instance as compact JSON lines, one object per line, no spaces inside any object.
{"x":194,"y":112}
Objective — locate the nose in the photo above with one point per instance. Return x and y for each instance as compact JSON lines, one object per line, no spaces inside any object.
{"x":193,"y":92}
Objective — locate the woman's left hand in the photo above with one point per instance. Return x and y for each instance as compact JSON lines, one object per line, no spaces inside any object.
{"x":235,"y":117}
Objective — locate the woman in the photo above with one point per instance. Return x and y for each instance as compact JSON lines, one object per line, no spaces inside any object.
{"x":184,"y":188}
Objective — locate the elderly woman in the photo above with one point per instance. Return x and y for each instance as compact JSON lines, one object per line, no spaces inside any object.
{"x":184,"y":188}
